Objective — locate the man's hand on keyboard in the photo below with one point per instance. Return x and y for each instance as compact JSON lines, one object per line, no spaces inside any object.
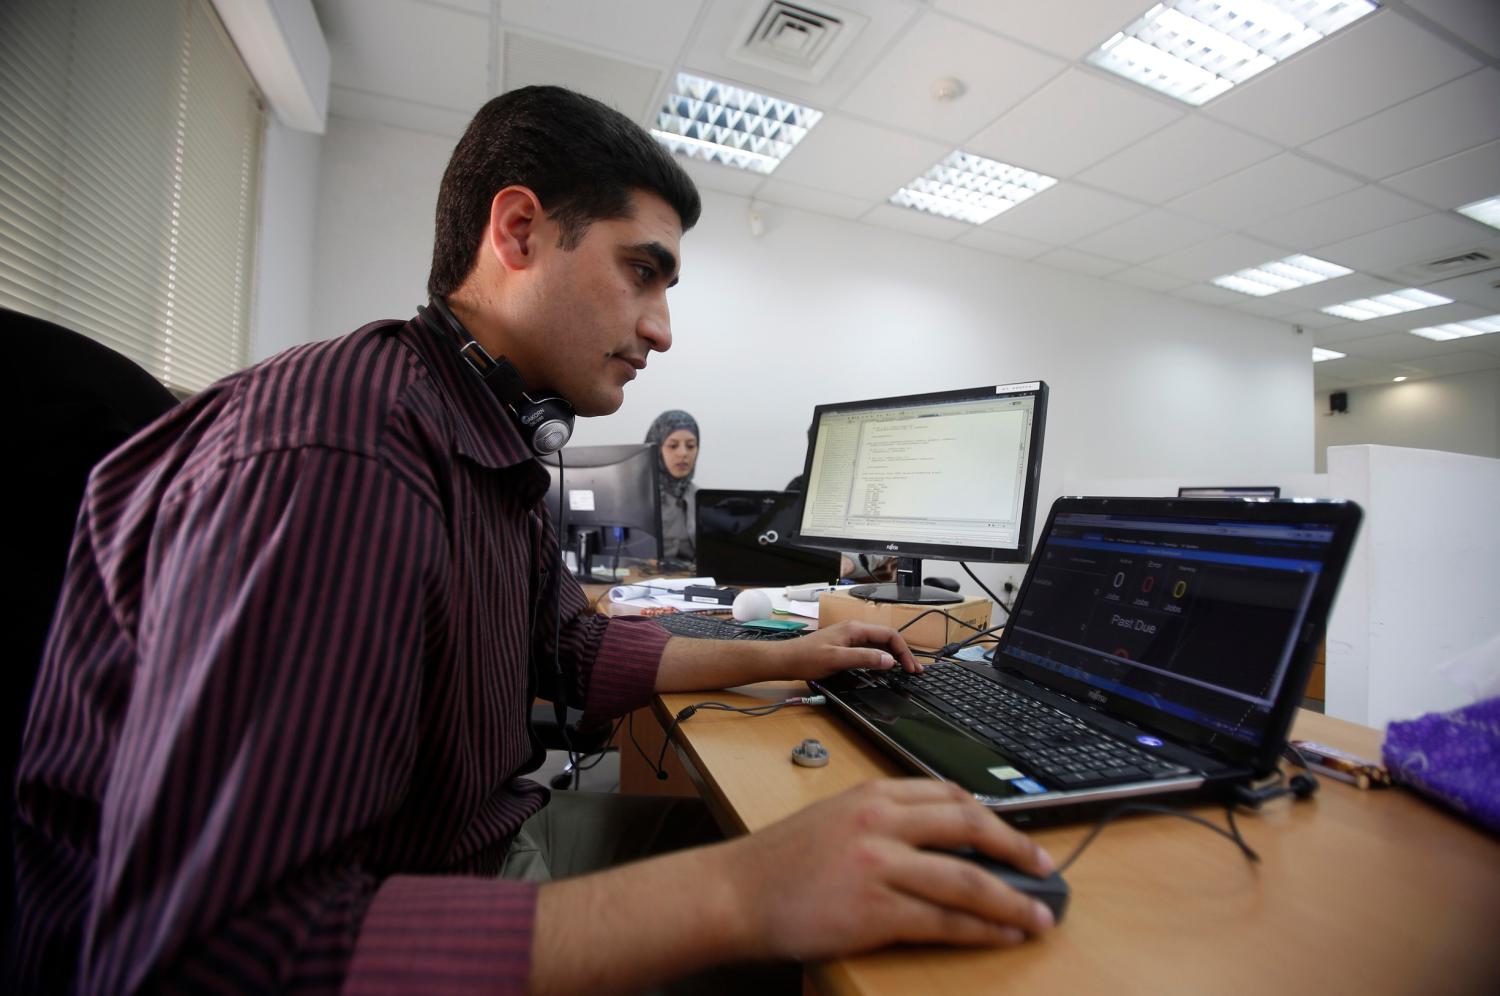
{"x":844,"y":646}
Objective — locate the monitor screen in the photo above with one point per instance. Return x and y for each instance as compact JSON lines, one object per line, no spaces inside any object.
{"x":950,"y":475}
{"x":610,"y":510}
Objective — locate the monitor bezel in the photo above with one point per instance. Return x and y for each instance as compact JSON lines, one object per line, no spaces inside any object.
{"x":979,"y":554}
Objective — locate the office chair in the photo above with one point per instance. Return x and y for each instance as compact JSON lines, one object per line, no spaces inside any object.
{"x":72,"y":402}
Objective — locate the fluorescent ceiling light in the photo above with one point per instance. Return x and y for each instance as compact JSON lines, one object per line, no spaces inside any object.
{"x":1320,"y":354}
{"x":1460,"y":330}
{"x":1382,"y":305}
{"x":1283,"y":274}
{"x":971,"y":188}
{"x":1194,"y":50}
{"x":1397,"y":380}
{"x":729,"y":125}
{"x":1487,"y":211}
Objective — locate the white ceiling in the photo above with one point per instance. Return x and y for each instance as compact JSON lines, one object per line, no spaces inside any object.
{"x":1356,"y":150}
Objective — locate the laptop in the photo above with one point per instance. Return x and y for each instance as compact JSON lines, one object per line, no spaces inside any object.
{"x":1157,"y":650}
{"x":746,"y":538}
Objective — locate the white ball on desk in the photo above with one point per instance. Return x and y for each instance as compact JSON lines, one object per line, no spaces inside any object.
{"x":750,"y":604}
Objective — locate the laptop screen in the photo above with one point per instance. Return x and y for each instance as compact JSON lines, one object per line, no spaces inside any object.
{"x":1194,"y":617}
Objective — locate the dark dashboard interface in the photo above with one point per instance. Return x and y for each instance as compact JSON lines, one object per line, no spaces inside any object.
{"x":1194,"y":617}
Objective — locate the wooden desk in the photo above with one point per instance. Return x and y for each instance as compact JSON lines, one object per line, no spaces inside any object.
{"x":1357,"y":892}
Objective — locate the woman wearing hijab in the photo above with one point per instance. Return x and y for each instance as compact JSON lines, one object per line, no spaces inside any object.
{"x":675,"y":436}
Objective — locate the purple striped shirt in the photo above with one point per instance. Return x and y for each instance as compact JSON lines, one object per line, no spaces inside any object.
{"x":279,"y":726}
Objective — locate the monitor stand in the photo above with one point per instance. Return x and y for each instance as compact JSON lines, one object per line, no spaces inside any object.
{"x":586,"y":543}
{"x":908,"y":587}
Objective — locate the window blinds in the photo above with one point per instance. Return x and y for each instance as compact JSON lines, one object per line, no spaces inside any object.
{"x":128,"y":177}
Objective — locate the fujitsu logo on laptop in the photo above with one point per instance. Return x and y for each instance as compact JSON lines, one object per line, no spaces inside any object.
{"x":1098,"y":697}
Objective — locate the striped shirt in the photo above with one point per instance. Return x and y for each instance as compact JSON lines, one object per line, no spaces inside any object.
{"x":277,"y":737}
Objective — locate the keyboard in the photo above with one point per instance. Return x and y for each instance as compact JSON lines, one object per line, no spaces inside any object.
{"x":701,"y":627}
{"x":1064,"y":748}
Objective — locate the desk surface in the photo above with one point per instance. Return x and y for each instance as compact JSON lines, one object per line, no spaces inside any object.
{"x":1357,"y":892}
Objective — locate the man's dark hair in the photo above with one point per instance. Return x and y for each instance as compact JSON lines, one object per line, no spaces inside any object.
{"x":582,"y":158}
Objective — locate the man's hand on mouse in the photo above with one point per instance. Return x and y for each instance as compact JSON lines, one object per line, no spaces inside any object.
{"x":850,"y":874}
{"x":843,"y":646}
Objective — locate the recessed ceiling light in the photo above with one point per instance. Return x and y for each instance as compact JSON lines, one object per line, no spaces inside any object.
{"x":1486,"y":211}
{"x":1397,"y":380}
{"x":1382,"y":305}
{"x":729,"y":125}
{"x":971,"y":188}
{"x":1283,"y":274}
{"x":1320,"y":354}
{"x":1460,"y":330}
{"x":1194,"y":50}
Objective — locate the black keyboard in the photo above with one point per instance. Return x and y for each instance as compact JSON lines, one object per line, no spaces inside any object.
{"x":1050,"y":742}
{"x":701,"y":627}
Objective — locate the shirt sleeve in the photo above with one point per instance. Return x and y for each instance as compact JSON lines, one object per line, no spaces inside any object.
{"x":272,"y":725}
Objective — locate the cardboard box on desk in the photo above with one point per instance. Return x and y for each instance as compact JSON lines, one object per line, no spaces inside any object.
{"x":929,"y":633}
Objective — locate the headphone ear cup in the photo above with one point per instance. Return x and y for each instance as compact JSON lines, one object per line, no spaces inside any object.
{"x":546,"y":423}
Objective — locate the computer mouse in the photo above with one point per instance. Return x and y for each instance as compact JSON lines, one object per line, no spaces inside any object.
{"x":750,"y":604}
{"x":1051,"y":891}
{"x":941,"y":582}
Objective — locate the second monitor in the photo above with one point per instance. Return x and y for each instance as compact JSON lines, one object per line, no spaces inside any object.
{"x":951,"y":475}
{"x":609,"y":505}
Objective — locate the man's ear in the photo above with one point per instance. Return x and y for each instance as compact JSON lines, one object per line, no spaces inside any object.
{"x":515,"y":221}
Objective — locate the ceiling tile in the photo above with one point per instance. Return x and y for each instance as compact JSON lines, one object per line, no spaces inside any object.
{"x":1318,"y":320}
{"x":1155,"y":280}
{"x":1088,"y":24}
{"x":1275,"y":186}
{"x":858,"y":159}
{"x":414,"y":51}
{"x":1216,"y":257}
{"x":1479,"y":289}
{"x":1147,"y":236}
{"x":1455,"y":363}
{"x":362,"y":106}
{"x":996,"y":74}
{"x":628,"y":87}
{"x":1350,"y":287}
{"x":1475,"y":21}
{"x":1064,"y":213}
{"x":610,"y":25}
{"x":781,"y":191}
{"x":725,"y":178}
{"x":904,"y":219}
{"x":1394,"y":347}
{"x":1080,"y":262}
{"x":1002,"y":244}
{"x":1453,"y":182}
{"x":1367,"y":67}
{"x":1339,"y":217}
{"x":1270,"y":306}
{"x":1075,"y":120}
{"x":1414,"y":241}
{"x":1439,"y":123}
{"x":1179,"y":158}
{"x":1206,"y":294}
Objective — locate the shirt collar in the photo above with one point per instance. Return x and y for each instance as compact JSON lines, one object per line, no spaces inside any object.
{"x":484,"y":431}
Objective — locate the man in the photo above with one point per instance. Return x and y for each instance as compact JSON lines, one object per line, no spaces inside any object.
{"x":279,"y":731}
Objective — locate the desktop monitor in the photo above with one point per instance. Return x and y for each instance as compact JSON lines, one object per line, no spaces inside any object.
{"x":1232,"y":491}
{"x":951,"y":476}
{"x":609,"y":509}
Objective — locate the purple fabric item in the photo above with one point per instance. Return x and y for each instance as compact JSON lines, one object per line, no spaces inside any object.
{"x":1453,"y":757}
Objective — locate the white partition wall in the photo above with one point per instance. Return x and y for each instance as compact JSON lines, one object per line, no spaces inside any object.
{"x":1423,"y":586}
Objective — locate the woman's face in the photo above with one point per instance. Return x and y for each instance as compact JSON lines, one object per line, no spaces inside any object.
{"x":679,"y":452}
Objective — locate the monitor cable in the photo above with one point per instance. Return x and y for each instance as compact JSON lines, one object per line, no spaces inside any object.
{"x":686,"y":713}
{"x":985,"y":588}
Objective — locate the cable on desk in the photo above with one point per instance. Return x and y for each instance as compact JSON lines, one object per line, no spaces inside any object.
{"x":1233,"y":833}
{"x":946,"y":615}
{"x":687,"y":712}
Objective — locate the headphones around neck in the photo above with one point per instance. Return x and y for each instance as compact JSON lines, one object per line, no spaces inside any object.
{"x":546,"y":423}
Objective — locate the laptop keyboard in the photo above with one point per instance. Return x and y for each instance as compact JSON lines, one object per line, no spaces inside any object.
{"x":699,"y":627}
{"x":1064,"y":749}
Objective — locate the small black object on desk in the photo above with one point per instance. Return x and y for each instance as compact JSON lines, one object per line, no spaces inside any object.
{"x":1051,"y":891}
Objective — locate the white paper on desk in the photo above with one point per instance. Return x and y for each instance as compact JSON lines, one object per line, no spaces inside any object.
{"x":780,"y":603}
{"x":658,"y":593}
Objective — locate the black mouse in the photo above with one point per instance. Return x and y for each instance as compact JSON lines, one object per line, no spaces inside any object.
{"x":941,"y":582}
{"x":1051,"y":891}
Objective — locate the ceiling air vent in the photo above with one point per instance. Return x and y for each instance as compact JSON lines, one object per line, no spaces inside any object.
{"x":1452,"y":265}
{"x":795,"y":39}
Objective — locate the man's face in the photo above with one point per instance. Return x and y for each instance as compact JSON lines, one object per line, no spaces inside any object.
{"x":593,"y":313}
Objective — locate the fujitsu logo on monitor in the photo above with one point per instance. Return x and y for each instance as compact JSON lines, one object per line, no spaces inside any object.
{"x":892,"y":546}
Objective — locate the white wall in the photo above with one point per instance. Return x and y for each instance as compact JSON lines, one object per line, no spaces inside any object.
{"x":284,"y":254}
{"x":1457,"y":414}
{"x":822,"y":309}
